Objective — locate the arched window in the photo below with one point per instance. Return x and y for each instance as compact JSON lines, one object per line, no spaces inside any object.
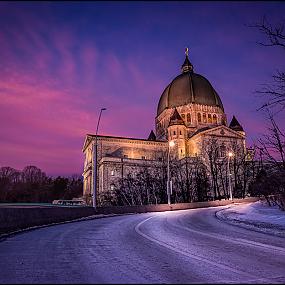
{"x":199,"y":118}
{"x":204,"y":118}
{"x":180,"y":133}
{"x":215,"y":119}
{"x":174,"y":132}
{"x":210,"y":119}
{"x":188,"y":118}
{"x":222,"y":151}
{"x":183,"y":116}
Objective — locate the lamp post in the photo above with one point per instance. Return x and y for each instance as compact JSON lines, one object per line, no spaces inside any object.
{"x":95,"y":162}
{"x":171,"y":144}
{"x":230,"y":154}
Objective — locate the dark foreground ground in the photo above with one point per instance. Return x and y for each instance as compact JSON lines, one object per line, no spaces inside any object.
{"x":186,"y":246}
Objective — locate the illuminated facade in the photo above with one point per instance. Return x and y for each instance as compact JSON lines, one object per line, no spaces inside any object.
{"x":190,"y":113}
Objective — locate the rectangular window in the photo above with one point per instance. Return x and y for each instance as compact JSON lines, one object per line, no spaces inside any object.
{"x":222,"y":151}
{"x":188,"y":118}
{"x":112,"y":173}
{"x":143,"y":157}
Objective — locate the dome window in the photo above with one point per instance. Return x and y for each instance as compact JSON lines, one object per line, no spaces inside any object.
{"x":199,"y":118}
{"x":204,"y":118}
{"x":210,"y":119}
{"x":215,"y":119}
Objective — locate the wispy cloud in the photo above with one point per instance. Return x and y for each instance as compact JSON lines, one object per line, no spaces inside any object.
{"x":60,"y":65}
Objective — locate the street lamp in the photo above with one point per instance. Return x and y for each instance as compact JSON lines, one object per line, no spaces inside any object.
{"x":169,"y":187}
{"x":95,"y":162}
{"x":230,"y":154}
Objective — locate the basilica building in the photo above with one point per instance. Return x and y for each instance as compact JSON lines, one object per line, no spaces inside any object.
{"x":190,"y":114}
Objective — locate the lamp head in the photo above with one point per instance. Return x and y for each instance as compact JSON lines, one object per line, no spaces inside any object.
{"x":230,"y":154}
{"x":171,"y":143}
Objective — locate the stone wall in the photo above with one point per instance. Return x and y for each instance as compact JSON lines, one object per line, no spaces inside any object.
{"x":17,"y":218}
{"x":112,"y":169}
{"x":172,"y":207}
{"x":112,"y":151}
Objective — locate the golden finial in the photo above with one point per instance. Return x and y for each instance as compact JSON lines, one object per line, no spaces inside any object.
{"x":186,"y":51}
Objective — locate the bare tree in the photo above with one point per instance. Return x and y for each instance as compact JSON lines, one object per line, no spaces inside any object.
{"x":8,"y":178}
{"x":269,"y":177}
{"x":273,"y":145}
{"x":201,"y":181}
{"x":275,"y":37}
{"x":210,"y":148}
{"x":182,"y":172}
{"x":32,"y":174}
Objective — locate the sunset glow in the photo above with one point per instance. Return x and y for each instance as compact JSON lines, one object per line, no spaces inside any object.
{"x":62,"y":62}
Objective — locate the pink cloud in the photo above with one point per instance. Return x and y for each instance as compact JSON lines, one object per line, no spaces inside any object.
{"x":44,"y":122}
{"x":52,"y":88}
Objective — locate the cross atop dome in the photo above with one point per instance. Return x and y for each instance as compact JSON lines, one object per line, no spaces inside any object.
{"x":186,"y":51}
{"x":187,"y":65}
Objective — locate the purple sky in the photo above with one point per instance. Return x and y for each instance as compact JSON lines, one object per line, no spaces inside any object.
{"x":61,"y":62}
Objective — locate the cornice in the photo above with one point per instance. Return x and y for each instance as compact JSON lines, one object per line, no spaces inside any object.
{"x":127,"y":140}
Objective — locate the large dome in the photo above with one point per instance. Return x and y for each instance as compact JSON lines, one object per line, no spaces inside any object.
{"x":188,"y":87}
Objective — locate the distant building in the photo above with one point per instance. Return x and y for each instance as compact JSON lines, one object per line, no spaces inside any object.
{"x":189,"y":112}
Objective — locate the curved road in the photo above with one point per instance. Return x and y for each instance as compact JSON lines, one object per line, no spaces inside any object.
{"x":187,"y":246}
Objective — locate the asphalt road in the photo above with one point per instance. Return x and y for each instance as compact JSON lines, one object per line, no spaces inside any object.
{"x":189,"y":246}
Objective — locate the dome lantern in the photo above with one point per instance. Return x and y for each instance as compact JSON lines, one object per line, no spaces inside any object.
{"x":187,"y":65}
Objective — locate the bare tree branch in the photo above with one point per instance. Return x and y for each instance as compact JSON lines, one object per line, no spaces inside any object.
{"x":275,"y":36}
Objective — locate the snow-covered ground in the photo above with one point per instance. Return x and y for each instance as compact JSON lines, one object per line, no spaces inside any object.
{"x":258,"y":216}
